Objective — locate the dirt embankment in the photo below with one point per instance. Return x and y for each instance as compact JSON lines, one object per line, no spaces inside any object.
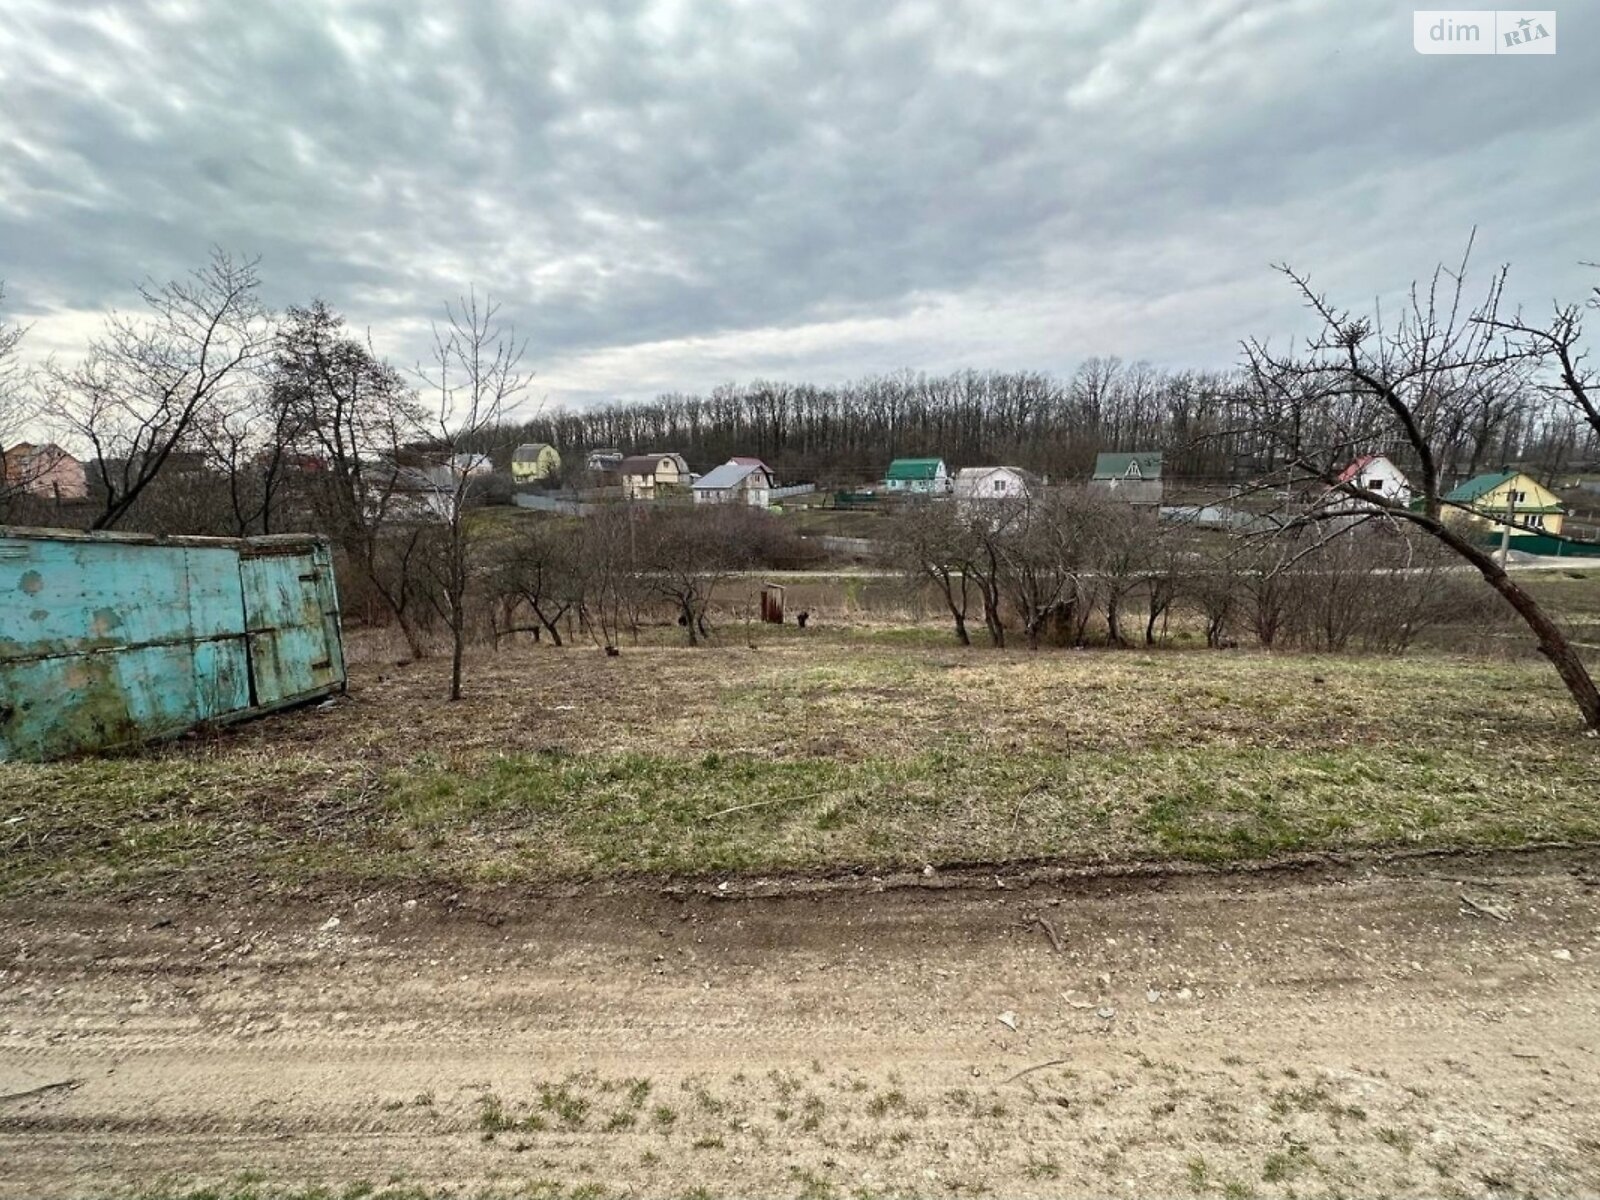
{"x":1357,"y":1031}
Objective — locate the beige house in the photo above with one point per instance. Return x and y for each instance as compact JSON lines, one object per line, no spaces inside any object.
{"x":1487,"y":503}
{"x":45,"y":470}
{"x":533,"y":461}
{"x":643,"y":475}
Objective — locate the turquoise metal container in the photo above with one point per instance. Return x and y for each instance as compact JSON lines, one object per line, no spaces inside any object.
{"x":108,"y":640}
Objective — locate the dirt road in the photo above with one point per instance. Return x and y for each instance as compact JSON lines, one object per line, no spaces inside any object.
{"x":1351,"y":1030}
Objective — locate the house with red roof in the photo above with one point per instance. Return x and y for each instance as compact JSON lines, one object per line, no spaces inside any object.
{"x":1374,"y":473}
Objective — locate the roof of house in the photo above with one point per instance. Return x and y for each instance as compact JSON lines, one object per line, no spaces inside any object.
{"x":530,"y":451}
{"x":1141,"y":464}
{"x":751,"y":460}
{"x":643,"y":464}
{"x":914,"y":468}
{"x":1480,"y":486}
{"x":1360,"y":465}
{"x":728,"y":475}
{"x":38,"y":449}
{"x":977,"y":472}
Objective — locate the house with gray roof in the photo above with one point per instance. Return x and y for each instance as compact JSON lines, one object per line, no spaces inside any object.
{"x":737,"y":481}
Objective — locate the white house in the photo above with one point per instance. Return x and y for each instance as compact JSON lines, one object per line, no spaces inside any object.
{"x":737,"y":481}
{"x":994,"y":483}
{"x":1373,"y":473}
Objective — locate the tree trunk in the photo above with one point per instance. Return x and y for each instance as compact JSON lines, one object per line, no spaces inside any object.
{"x":1553,"y":643}
{"x":961,"y":630}
{"x":408,"y":631}
{"x":550,"y":623}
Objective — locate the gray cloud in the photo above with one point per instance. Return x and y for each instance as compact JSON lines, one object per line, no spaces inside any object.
{"x":666,"y":195}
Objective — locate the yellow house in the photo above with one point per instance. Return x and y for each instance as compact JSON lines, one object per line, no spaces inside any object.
{"x":1493,"y":500}
{"x":534,"y":460}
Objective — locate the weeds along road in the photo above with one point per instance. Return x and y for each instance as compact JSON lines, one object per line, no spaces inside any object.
{"x":1349,"y":1030}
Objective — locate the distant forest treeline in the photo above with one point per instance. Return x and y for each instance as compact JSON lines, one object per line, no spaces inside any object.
{"x":848,"y":432}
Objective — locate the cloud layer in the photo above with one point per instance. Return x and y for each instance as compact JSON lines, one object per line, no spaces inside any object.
{"x":667,"y":195}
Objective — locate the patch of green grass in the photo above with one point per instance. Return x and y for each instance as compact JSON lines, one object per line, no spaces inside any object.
{"x":812,"y":1185}
{"x":884,"y":1103}
{"x":1399,"y":1139}
{"x":812,"y":1110}
{"x":563,"y":1104}
{"x":1282,"y":1166}
{"x":879,"y":756}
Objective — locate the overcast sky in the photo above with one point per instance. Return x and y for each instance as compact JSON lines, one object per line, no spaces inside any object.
{"x":671,"y":195}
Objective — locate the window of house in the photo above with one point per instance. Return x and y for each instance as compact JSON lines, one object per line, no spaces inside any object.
{"x":1536,"y":520}
{"x":1375,"y":484}
{"x":999,"y":485}
{"x":1519,"y":497}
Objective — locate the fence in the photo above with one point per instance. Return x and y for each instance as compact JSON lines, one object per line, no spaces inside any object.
{"x":540,"y":502}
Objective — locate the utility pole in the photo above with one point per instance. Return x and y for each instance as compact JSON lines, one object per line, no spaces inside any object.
{"x":1505,"y":529}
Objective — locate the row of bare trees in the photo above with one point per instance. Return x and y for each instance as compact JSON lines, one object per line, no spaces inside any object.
{"x":1068,"y":566}
{"x":609,"y":573}
{"x":846,"y":433}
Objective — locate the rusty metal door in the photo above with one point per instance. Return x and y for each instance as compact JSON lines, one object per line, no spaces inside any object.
{"x":291,"y":622}
{"x":105,"y":642}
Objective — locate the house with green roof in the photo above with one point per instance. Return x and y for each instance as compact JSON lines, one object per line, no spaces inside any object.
{"x":1489,"y":503}
{"x":923,"y":476}
{"x":1131,"y":477}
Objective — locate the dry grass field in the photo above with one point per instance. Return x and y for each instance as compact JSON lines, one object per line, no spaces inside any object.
{"x":871,"y":748}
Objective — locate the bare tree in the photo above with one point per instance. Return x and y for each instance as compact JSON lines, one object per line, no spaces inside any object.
{"x":149,"y":382}
{"x":1167,"y":574}
{"x":609,"y":580}
{"x":688,"y":552}
{"x":16,"y":407}
{"x":935,"y":543}
{"x":1558,"y":346}
{"x":540,"y":566}
{"x":346,"y":414}
{"x":1046,"y":556}
{"x":1125,"y":557}
{"x":1360,"y":383}
{"x":475,"y":377}
{"x":254,"y":445}
{"x":1214,"y":593}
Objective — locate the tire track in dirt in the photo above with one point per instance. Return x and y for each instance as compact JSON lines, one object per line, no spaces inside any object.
{"x":1319,"y":1034}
